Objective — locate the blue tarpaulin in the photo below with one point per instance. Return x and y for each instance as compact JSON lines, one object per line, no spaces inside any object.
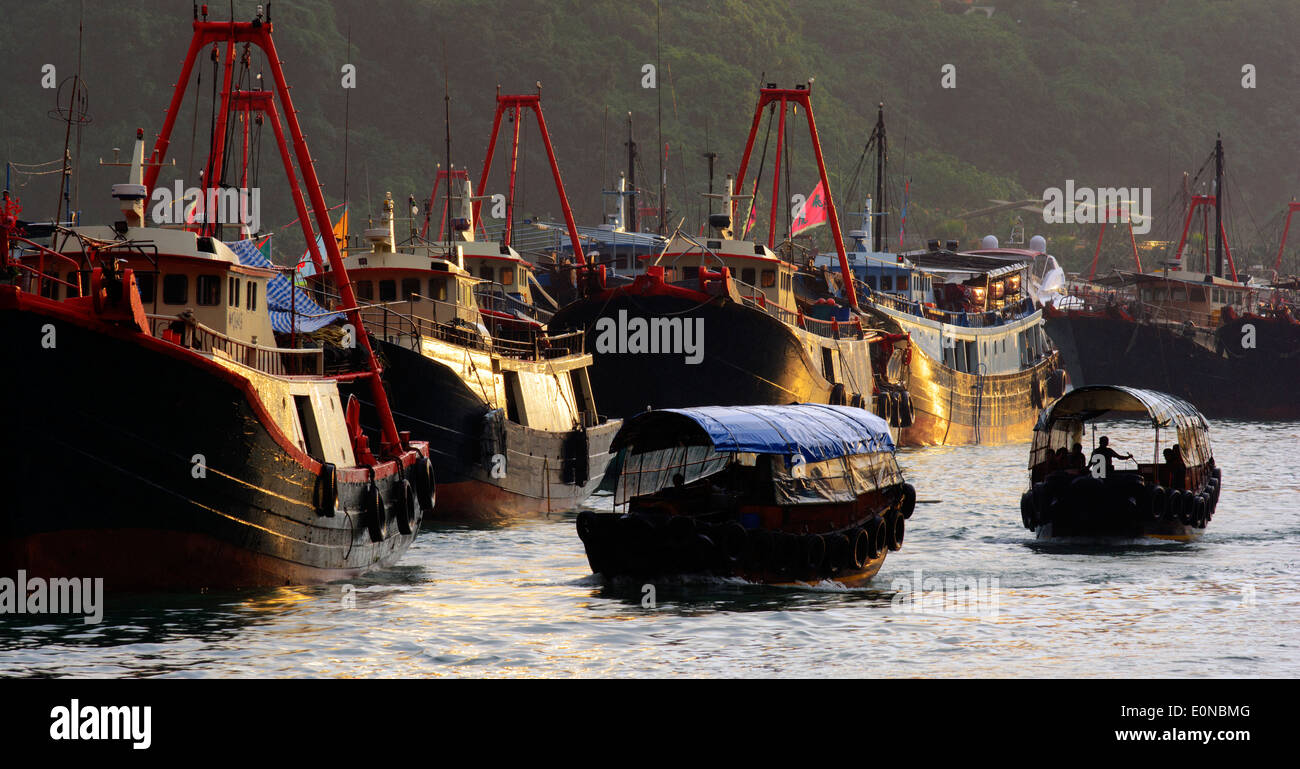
{"x":815,"y":431}
{"x":286,"y":310}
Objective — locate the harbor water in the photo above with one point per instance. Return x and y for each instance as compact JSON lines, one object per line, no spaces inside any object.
{"x":971,"y":594}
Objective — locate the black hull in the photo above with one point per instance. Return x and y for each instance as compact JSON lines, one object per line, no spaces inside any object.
{"x":749,"y":358}
{"x":545,"y":471}
{"x":98,"y":471}
{"x":1123,"y":507}
{"x":1229,"y":382}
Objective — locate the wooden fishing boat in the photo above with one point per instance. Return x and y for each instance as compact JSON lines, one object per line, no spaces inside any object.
{"x":770,"y":494}
{"x":722,"y":320}
{"x":1172,"y":499}
{"x":507,"y":409}
{"x":158,"y":435}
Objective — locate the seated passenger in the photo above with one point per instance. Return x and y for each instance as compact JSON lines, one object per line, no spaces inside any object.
{"x":1077,"y":460}
{"x":1177,"y":467}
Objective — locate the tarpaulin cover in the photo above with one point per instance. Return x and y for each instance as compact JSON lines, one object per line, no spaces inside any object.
{"x":1062,"y":423}
{"x":285,"y":308}
{"x":814,"y":431}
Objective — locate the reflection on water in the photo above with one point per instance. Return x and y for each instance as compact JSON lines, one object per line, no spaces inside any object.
{"x":519,"y":600}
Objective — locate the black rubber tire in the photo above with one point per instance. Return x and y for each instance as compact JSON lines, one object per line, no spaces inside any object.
{"x":1027,"y":510}
{"x":426,"y":486}
{"x":408,"y":513}
{"x":814,"y":551}
{"x":732,"y":541}
{"x":879,"y":537}
{"x":325,"y":497}
{"x":908,"y":505}
{"x":859,"y":548}
{"x":896,"y":529}
{"x":372,"y":507}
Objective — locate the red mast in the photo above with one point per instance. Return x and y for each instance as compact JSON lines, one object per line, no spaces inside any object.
{"x":1292,"y":207}
{"x":517,"y":103}
{"x":258,"y":33}
{"x":799,"y":96}
{"x":1207,"y":201}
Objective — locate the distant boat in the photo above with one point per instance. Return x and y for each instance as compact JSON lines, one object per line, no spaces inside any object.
{"x":1172,"y":499}
{"x":1228,"y":343}
{"x":771,"y":494}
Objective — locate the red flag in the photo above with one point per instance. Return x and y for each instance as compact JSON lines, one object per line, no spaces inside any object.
{"x":814,"y":212}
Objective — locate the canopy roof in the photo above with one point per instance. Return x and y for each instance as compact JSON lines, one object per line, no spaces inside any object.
{"x":815,"y":431}
{"x":1088,"y":403}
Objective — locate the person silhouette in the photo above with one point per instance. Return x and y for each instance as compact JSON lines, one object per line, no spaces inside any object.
{"x":1108,"y":454}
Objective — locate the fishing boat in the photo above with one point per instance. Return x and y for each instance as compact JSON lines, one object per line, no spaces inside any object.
{"x":784,"y":495}
{"x":981,"y":366}
{"x":724,"y":320}
{"x":1214,"y":337}
{"x":510,"y":417}
{"x":1172,"y":497}
{"x":159,"y":436}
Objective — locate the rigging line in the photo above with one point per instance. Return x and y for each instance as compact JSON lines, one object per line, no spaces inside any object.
{"x":347,"y":102}
{"x":758,"y":178}
{"x":194,"y":123}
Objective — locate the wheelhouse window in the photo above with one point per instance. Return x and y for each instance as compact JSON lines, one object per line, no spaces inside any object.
{"x":769,"y":278}
{"x":438,"y":289}
{"x":145,"y":284}
{"x":176,"y":289}
{"x":747,"y":275}
{"x":507,"y":276}
{"x":366,"y":290}
{"x":252,"y":295}
{"x":487,"y":273}
{"x":410,"y":287}
{"x":208,"y":290}
{"x":387,"y":290}
{"x":232,"y":291}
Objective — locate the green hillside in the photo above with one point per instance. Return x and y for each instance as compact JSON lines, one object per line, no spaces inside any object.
{"x":1108,"y":94}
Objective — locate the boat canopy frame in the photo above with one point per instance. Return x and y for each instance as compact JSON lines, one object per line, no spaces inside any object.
{"x":1062,"y":423}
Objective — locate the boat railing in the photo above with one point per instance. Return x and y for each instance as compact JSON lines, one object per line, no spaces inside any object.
{"x":1014,"y":311}
{"x":494,"y":298}
{"x":392,"y":324}
{"x":277,"y":361}
{"x":753,"y":296}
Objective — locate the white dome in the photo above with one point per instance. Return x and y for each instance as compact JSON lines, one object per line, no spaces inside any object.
{"x":989,"y":241}
{"x":1038,"y":243}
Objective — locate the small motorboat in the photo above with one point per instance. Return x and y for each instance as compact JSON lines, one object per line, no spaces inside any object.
{"x":770,"y":494}
{"x":1172,"y":497}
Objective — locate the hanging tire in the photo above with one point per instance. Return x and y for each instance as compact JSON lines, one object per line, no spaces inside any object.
{"x":895,"y":409}
{"x":408,"y":514}
{"x":814,"y":551}
{"x":857,"y":401}
{"x":839,"y":397}
{"x":1159,"y":501}
{"x":908,"y":504}
{"x":1027,"y":510}
{"x":325,"y":496}
{"x":905,"y":416}
{"x":879,"y":536}
{"x":372,"y":508}
{"x":859,"y":548}
{"x":838,"y":551}
{"x":732,"y":540}
{"x":426,"y":486}
{"x":1185,"y":512}
{"x":1201,"y":506}
{"x":895,"y":530}
{"x":791,"y":555}
{"x":761,"y":549}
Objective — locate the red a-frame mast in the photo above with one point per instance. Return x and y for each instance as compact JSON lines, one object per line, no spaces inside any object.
{"x":799,"y":96}
{"x":258,"y":33}
{"x":516,"y":104}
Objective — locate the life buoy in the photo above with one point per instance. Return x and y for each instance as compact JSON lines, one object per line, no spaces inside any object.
{"x":907,"y":505}
{"x":896,"y":529}
{"x":408,"y":516}
{"x":372,"y":507}
{"x":326,"y":494}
